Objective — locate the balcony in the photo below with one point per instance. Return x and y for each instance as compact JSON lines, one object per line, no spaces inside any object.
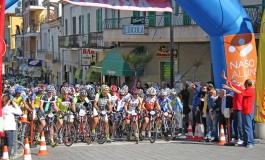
{"x":33,"y":5}
{"x":80,"y":41}
{"x":46,"y":2}
{"x":18,"y":11}
{"x":33,"y":31}
{"x":156,"y":29}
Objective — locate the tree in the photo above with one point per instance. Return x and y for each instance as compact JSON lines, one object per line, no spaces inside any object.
{"x":137,"y":61}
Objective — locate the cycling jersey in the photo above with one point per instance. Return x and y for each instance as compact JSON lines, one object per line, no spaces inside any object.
{"x":37,"y":99}
{"x":79,"y":102}
{"x":48,"y":103}
{"x":103,"y":101}
{"x":114,"y":99}
{"x":64,"y":103}
{"x":163,"y":104}
{"x":149,"y":103}
{"x":176,"y":104}
{"x":19,"y":100}
{"x":133,"y":104}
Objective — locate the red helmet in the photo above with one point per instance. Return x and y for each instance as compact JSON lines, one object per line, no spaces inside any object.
{"x":113,"y":88}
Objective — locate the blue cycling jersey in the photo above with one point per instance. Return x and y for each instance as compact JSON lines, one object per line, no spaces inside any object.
{"x":163,"y":104}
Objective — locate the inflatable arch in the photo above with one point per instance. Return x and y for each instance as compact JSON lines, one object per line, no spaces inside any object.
{"x":232,"y":40}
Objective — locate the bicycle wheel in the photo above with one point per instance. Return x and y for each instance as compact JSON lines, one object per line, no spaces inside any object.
{"x":50,"y":127}
{"x":119,"y":131}
{"x":87,"y":134}
{"x":100,"y":134}
{"x":68,"y":133}
{"x":164,"y":133}
{"x":24,"y":133}
{"x":152,"y":133}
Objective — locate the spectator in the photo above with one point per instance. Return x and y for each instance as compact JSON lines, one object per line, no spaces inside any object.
{"x":237,"y":111}
{"x":195,"y":104}
{"x":223,"y":101}
{"x":139,"y":85}
{"x":185,"y":94}
{"x":9,"y":110}
{"x":247,"y":110}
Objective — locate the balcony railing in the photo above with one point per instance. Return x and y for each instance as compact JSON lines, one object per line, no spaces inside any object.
{"x":79,"y":41}
{"x":150,"y":21}
{"x":33,"y":29}
{"x":255,"y":13}
{"x":31,"y":3}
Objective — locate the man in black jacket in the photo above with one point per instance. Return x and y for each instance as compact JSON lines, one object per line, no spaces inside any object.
{"x":223,"y":101}
{"x":186,"y":109}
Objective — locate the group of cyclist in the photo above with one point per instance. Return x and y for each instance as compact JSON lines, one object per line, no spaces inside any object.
{"x":112,"y":100}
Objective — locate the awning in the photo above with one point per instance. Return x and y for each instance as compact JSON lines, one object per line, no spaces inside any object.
{"x":113,"y":63}
{"x":78,"y":72}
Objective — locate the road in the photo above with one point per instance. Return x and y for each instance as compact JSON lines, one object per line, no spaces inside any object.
{"x":160,"y":150}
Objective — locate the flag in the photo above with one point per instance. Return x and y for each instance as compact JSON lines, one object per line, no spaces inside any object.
{"x":260,"y":81}
{"x":133,"y":5}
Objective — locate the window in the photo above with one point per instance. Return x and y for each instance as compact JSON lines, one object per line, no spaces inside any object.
{"x":66,"y":27}
{"x":136,"y":13}
{"x":88,"y":23}
{"x":74,"y":25}
{"x":167,"y":19}
{"x":99,"y":20}
{"x":152,"y":19}
{"x":83,"y":25}
{"x":114,"y":20}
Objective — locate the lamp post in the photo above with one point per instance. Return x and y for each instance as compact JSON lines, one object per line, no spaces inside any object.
{"x":171,"y":48}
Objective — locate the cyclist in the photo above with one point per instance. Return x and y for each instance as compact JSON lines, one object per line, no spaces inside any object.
{"x":150,"y":103}
{"x":37,"y":97}
{"x":77,"y":90}
{"x":131,"y":108}
{"x":20,"y":99}
{"x":65,"y":103}
{"x":82,"y":101}
{"x":102,"y":102}
{"x":114,"y":100}
{"x":47,"y":105}
{"x":119,"y":108}
{"x":177,"y":108}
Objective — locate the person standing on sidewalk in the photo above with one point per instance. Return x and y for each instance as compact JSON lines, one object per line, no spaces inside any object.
{"x":10,"y":109}
{"x":247,"y":109}
{"x":237,"y":110}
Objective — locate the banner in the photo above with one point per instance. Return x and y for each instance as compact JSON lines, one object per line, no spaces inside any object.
{"x":133,"y":5}
{"x":241,"y":58}
{"x":260,"y":84}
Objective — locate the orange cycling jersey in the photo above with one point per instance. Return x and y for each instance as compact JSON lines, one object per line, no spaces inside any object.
{"x":150,"y":103}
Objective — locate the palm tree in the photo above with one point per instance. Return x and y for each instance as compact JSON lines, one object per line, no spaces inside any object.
{"x":137,"y":60}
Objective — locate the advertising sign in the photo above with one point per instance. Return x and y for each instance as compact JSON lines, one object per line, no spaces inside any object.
{"x":88,"y":56}
{"x":241,"y":58}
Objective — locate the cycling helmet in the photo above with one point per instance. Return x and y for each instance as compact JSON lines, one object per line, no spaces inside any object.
{"x":152,"y":91}
{"x":18,"y":89}
{"x":113,"y":88}
{"x":125,"y":88}
{"x":173,"y":92}
{"x":83,"y":93}
{"x":72,"y":90}
{"x":90,"y":89}
{"x":65,"y":90}
{"x":77,"y":86}
{"x":11,"y":90}
{"x":147,"y":91}
{"x":50,"y":88}
{"x":136,"y":91}
{"x":104,"y":88}
{"x":163,"y":92}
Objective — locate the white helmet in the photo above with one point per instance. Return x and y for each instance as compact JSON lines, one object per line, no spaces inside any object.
{"x":163,"y":92}
{"x":152,"y":91}
{"x":173,"y":92}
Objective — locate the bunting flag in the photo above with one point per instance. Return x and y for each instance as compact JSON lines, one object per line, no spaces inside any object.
{"x":133,"y":5}
{"x":260,"y":83}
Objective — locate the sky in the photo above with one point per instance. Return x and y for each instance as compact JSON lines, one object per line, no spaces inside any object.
{"x":12,"y":8}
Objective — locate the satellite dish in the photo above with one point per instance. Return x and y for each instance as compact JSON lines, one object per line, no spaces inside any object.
{"x":19,"y":4}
